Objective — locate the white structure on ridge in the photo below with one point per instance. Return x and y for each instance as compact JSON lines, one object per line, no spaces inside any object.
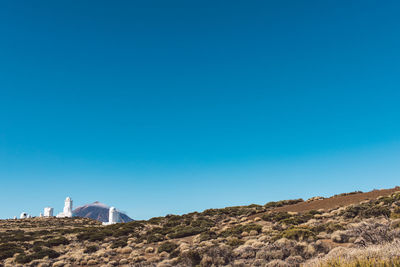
{"x":23,"y":215}
{"x":41,"y":215}
{"x":48,"y":212}
{"x":112,"y":216}
{"x":67,"y":212}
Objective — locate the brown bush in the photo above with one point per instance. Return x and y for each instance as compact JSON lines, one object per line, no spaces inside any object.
{"x":167,"y":246}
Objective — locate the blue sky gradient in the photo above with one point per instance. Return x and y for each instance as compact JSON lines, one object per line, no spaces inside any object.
{"x":161,"y":107}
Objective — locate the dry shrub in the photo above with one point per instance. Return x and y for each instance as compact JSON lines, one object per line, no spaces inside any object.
{"x":281,"y":249}
{"x":294,"y":260}
{"x":217,"y":256}
{"x":371,"y":233}
{"x":8,"y":250}
{"x":190,"y":258}
{"x":277,"y":263}
{"x":167,"y":246}
{"x":91,"y":249}
{"x":245,"y":252}
{"x":274,"y":204}
{"x":389,"y":252}
{"x":340,"y":237}
{"x":298,"y":233}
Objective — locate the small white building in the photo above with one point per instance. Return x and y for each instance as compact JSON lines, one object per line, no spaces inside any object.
{"x":48,"y":212}
{"x":23,"y":215}
{"x":113,"y":216}
{"x":67,"y":212}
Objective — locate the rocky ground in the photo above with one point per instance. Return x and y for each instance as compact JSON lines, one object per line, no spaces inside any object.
{"x":348,"y":229}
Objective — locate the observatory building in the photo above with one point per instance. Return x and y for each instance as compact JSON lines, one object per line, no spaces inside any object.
{"x":48,"y":212}
{"x":23,"y":215}
{"x":113,"y":216}
{"x":67,"y":212}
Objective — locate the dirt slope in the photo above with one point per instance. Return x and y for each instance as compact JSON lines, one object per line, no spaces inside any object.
{"x":337,"y":201}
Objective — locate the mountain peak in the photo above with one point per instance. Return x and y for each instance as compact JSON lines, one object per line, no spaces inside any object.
{"x":98,"y":211}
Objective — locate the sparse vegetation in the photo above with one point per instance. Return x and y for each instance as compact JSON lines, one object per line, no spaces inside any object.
{"x":254,"y":235}
{"x":282,"y":203}
{"x":40,"y":254}
{"x":8,"y":250}
{"x":57,"y":241}
{"x":239,"y":229}
{"x":91,"y":249}
{"x":366,"y":210}
{"x":167,"y":247}
{"x":119,"y":243}
{"x":298,"y":233}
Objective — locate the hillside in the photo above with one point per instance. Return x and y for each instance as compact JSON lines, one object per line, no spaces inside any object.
{"x":344,"y":230}
{"x":98,"y":211}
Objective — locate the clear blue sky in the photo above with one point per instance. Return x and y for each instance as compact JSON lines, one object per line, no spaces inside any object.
{"x":162,"y":107}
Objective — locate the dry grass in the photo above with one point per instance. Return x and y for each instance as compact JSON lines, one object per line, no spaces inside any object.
{"x":362,"y":234}
{"x":364,"y":263}
{"x":375,"y":255}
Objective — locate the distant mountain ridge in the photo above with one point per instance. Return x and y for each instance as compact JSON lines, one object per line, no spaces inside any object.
{"x":98,"y":211}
